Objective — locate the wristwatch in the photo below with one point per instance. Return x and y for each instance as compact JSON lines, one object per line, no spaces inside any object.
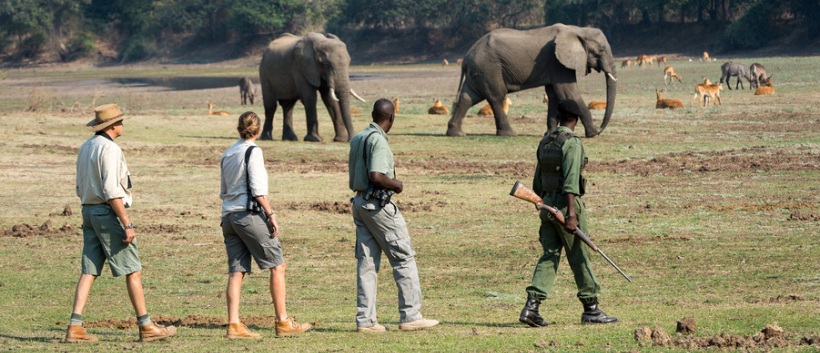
{"x":129,"y":226}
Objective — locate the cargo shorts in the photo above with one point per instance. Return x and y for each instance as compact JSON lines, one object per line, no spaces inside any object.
{"x":103,"y":239}
{"x":247,"y":235}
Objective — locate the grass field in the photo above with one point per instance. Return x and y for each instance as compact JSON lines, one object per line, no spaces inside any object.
{"x":713,"y":212}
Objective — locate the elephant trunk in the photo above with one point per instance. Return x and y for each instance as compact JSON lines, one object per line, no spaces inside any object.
{"x":611,"y":89}
{"x":344,"y":106}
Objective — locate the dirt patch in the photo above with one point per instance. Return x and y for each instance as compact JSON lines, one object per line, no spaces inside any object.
{"x":338,"y":207}
{"x":47,"y":229}
{"x":159,"y":228}
{"x":760,"y":158}
{"x":343,"y":207}
{"x":445,"y":166}
{"x":771,"y":336}
{"x":785,"y":298}
{"x":193,"y":321}
{"x":798,"y":216}
{"x":52,"y":148}
{"x":686,"y":326}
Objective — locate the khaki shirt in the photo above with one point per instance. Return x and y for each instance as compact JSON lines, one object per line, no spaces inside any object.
{"x":379,"y":155}
{"x":102,"y":173}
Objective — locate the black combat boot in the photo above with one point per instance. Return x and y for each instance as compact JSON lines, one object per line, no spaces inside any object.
{"x":593,"y":315}
{"x":530,"y":316}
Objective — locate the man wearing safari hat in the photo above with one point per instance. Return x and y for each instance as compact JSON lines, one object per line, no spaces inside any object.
{"x":104,"y":187}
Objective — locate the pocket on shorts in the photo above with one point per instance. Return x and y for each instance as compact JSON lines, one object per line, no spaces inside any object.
{"x":273,"y":250}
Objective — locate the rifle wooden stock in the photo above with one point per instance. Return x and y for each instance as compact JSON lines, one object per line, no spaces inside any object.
{"x":522,"y":192}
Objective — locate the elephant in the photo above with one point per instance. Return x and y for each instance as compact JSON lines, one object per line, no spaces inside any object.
{"x":730,"y":69}
{"x":294,"y":68}
{"x":757,"y":75}
{"x":247,"y":91}
{"x":507,"y":60}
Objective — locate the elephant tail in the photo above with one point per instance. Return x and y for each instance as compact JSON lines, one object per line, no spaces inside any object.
{"x":460,"y":86}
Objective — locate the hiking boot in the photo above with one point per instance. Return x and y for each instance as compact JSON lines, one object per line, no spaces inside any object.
{"x":593,"y":315}
{"x":372,"y":329}
{"x":290,"y":327}
{"x":419,"y":324}
{"x":153,"y":332}
{"x":76,"y":333}
{"x":239,"y":330}
{"x":530,"y":316}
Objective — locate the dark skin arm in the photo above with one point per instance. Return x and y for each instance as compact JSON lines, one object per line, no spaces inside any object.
{"x":382,"y":181}
{"x":570,"y":221}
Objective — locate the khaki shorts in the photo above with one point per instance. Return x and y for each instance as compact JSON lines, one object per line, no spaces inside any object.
{"x":247,"y":235}
{"x":103,"y":239}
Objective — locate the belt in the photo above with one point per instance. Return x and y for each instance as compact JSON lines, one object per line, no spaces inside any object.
{"x":96,"y":204}
{"x":359,"y":193}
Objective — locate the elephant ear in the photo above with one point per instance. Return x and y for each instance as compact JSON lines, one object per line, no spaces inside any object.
{"x":307,"y":62}
{"x":570,"y":51}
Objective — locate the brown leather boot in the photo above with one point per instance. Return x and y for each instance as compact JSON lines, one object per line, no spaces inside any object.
{"x":76,"y":333}
{"x":153,"y":332}
{"x":239,"y":330}
{"x":290,"y":327}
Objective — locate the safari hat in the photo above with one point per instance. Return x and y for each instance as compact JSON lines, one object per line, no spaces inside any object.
{"x":106,"y":115}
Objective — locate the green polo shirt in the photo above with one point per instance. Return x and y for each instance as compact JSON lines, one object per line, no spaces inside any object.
{"x":379,"y":155}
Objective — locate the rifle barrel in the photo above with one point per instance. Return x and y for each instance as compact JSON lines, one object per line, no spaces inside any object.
{"x":614,"y":265}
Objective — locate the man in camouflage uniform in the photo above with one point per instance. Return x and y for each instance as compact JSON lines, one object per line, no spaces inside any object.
{"x":558,"y":180}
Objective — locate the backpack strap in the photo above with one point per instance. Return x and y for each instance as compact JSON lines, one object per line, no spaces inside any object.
{"x":248,"y":151}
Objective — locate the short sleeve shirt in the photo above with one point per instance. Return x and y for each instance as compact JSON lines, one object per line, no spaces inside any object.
{"x":102,"y":173}
{"x":379,"y":157}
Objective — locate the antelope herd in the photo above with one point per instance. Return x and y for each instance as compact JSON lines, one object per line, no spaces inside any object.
{"x":706,"y":93}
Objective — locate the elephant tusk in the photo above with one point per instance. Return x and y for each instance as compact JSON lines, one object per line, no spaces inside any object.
{"x":333,"y":95}
{"x":612,"y":77}
{"x":357,"y":96}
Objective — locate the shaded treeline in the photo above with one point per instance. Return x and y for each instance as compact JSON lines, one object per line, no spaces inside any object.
{"x":135,"y":30}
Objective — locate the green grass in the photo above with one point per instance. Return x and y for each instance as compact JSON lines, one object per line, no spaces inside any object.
{"x":693,"y":204}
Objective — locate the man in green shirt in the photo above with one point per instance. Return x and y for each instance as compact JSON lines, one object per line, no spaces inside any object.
{"x":380,"y":226}
{"x":558,"y":180}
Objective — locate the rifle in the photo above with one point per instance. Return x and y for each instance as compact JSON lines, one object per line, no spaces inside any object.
{"x":522,"y":192}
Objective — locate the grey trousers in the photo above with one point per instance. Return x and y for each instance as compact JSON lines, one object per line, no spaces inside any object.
{"x":383,"y":229}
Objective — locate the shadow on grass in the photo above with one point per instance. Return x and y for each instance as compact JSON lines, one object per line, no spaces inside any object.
{"x":462,"y":137}
{"x":210,"y":137}
{"x":32,"y":339}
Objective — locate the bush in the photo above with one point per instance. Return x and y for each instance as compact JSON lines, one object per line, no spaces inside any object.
{"x":83,"y":45}
{"x":34,"y":45}
{"x":137,"y":49}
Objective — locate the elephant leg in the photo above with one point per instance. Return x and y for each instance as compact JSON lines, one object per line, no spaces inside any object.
{"x":335,"y":112}
{"x":287,"y":122}
{"x":502,"y":123}
{"x":270,"y":110}
{"x":312,"y":119}
{"x":552,"y":109}
{"x":466,"y":99}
